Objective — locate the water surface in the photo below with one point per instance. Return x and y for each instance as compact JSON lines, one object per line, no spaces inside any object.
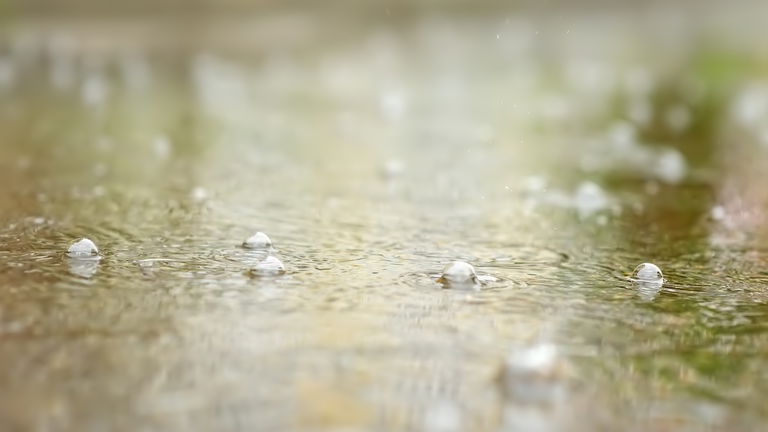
{"x":373,"y":157}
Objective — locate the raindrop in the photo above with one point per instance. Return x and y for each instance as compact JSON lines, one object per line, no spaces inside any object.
{"x":258,"y":241}
{"x":83,"y":248}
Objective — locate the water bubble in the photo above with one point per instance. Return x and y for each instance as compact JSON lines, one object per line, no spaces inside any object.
{"x":648,"y":280}
{"x":459,"y":273}
{"x":83,"y":248}
{"x":647,"y":272}
{"x":269,"y":266}
{"x":258,"y":241}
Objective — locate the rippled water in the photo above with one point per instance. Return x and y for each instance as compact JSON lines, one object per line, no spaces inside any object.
{"x":372,"y":160}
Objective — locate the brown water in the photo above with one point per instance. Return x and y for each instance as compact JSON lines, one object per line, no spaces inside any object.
{"x":373,"y":154}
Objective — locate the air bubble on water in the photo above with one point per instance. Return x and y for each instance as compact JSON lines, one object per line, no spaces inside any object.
{"x":271,"y":265}
{"x":83,"y":248}
{"x":647,"y":272}
{"x":258,"y":241}
{"x":459,"y":273}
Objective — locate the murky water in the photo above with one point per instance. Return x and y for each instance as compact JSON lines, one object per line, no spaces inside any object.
{"x":551,"y":158}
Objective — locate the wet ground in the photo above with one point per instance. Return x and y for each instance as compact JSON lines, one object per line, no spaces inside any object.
{"x":552,"y":158}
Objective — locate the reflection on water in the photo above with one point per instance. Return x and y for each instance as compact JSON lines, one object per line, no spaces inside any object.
{"x":548,"y":158}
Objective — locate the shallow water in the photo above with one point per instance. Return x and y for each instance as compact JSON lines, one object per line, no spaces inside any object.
{"x":372,"y":159}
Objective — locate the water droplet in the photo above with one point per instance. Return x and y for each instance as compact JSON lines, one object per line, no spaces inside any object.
{"x":459,"y":273}
{"x":647,"y":272}
{"x":269,"y":266}
{"x":83,"y":248}
{"x":258,"y":241}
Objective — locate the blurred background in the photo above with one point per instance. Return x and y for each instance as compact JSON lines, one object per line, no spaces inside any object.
{"x":553,"y":145}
